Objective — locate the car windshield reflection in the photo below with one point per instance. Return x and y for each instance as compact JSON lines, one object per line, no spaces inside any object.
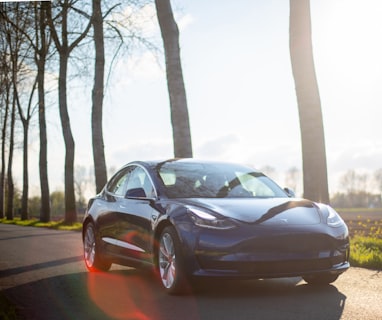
{"x":215,"y":181}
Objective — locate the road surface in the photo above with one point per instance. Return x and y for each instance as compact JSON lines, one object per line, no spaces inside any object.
{"x":42,"y":272}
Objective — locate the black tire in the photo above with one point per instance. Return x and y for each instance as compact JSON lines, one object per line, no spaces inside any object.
{"x":170,"y":262}
{"x":321,"y":279}
{"x":92,"y":257}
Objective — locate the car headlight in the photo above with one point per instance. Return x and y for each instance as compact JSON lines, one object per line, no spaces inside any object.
{"x":333,"y":219}
{"x":208,"y":220}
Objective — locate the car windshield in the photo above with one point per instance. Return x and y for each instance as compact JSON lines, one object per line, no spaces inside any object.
{"x":215,"y":180}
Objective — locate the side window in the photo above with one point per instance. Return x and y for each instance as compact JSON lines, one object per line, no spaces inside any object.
{"x":140,"y":179}
{"x":117,"y":185}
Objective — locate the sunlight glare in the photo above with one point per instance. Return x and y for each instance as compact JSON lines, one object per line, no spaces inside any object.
{"x":116,"y":296}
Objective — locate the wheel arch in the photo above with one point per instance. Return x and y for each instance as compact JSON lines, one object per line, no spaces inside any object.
{"x":87,"y":220}
{"x":161,"y":226}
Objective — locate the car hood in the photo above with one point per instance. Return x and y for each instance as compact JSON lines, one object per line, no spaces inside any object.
{"x":263,"y":211}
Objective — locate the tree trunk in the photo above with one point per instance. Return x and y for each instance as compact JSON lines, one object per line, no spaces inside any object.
{"x":97,"y":98}
{"x":309,"y":104}
{"x":43,"y":161}
{"x":11,"y":187}
{"x":178,"y":102}
{"x":25,"y":119}
{"x":70,"y":201}
{"x":24,"y":199}
{"x":25,"y":122}
{"x":3,"y":141}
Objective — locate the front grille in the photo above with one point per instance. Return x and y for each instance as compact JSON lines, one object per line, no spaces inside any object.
{"x":301,"y":243}
{"x":273,"y":267}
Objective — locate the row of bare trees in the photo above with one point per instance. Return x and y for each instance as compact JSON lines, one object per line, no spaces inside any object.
{"x":35,"y":35}
{"x":355,"y":188}
{"x":359,"y":189}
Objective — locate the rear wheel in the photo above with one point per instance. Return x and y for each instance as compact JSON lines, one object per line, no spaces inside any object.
{"x":321,"y":280}
{"x":92,"y":257}
{"x":170,"y":262}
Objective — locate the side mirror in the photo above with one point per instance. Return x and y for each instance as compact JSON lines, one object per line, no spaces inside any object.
{"x":135,"y":193}
{"x":290,"y":193}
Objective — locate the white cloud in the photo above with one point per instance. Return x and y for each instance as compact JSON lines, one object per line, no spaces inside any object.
{"x":145,"y":67}
{"x":184,"y":21}
{"x":140,"y":150}
{"x":358,"y":156}
{"x":138,"y":18}
{"x":218,"y":148}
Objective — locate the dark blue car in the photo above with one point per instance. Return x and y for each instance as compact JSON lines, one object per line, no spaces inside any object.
{"x":188,"y":218}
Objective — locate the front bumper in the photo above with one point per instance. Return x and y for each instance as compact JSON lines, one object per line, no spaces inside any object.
{"x":272,"y":269}
{"x":269,"y":253}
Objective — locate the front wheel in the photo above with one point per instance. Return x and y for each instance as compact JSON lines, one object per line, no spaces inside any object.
{"x":92,"y":257}
{"x":170,"y":262}
{"x":321,"y":280}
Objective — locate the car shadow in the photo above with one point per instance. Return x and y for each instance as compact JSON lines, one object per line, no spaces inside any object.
{"x":133,"y":294}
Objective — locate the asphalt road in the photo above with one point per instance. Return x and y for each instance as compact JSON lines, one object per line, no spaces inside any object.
{"x":42,"y":272}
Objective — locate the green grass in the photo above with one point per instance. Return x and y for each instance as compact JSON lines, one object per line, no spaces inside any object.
{"x":58,"y":225}
{"x":365,"y":237}
{"x":366,"y":252}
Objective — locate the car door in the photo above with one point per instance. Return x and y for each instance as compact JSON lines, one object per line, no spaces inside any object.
{"x":136,"y":215}
{"x":108,"y":218}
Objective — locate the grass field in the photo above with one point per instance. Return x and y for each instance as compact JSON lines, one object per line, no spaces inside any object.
{"x":365,"y":228}
{"x":363,"y":222}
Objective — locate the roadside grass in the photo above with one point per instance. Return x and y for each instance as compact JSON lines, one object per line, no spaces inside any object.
{"x":365,"y":241}
{"x":57,"y":225}
{"x":366,"y":252}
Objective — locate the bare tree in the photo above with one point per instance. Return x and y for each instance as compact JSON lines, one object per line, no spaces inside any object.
{"x":12,"y":55}
{"x":4,"y":109}
{"x":4,"y":119}
{"x":64,"y":48}
{"x":353,"y":181}
{"x":178,"y":102}
{"x":97,"y":97}
{"x":21,"y":75}
{"x":309,"y":104}
{"x":83,"y":180}
{"x":39,"y":41}
{"x":356,"y":185}
{"x":378,"y":179}
{"x":25,"y":117}
{"x":10,"y":185}
{"x":41,"y":47}
{"x":5,"y":87}
{"x":292,"y":177}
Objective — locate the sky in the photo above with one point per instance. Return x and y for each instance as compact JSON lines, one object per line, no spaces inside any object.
{"x":240,"y":91}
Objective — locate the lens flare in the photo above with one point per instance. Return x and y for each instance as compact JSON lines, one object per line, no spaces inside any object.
{"x":118,"y":295}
